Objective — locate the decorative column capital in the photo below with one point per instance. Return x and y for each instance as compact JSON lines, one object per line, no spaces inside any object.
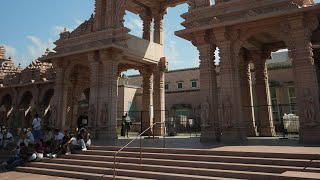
{"x":146,"y":17}
{"x":163,"y":65}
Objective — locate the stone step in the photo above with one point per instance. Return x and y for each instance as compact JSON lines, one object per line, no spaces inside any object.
{"x":188,"y":167}
{"x":211,"y":152}
{"x":71,"y":174}
{"x":152,"y":173}
{"x":211,"y":158}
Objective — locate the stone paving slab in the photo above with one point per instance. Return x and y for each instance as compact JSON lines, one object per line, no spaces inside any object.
{"x":306,"y":175}
{"x":26,"y":176}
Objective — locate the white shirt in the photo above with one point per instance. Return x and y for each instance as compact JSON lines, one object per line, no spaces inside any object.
{"x":59,"y":136}
{"x":9,"y":137}
{"x":30,"y":136}
{"x":74,"y":141}
{"x":36,"y":124}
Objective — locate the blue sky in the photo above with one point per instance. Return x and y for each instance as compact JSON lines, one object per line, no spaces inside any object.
{"x":29,"y":27}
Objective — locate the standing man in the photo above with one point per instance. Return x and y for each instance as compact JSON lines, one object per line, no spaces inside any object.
{"x":127,"y":121}
{"x":82,"y":121}
{"x":36,"y":126}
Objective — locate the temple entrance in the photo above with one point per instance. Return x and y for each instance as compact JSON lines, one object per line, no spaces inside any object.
{"x":78,"y":94}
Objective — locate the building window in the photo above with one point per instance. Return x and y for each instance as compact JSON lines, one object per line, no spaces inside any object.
{"x":194,"y":84}
{"x":179,"y":85}
{"x":275,"y":105}
{"x":166,"y":87}
{"x":292,"y":99}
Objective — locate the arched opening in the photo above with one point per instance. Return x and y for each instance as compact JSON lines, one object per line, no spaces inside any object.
{"x":267,"y":87}
{"x":6,"y":110}
{"x":46,"y":111}
{"x":130,"y":100}
{"x":25,"y":110}
{"x":78,"y":94}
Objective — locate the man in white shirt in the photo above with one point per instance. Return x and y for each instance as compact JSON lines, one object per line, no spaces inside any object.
{"x":36,"y":126}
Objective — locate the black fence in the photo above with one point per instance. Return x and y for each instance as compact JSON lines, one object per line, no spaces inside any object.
{"x":284,"y":117}
{"x":175,"y":125}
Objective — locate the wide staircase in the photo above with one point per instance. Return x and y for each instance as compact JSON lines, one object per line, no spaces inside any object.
{"x":171,"y":164}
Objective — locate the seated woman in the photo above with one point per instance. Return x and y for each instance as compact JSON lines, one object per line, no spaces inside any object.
{"x":39,"y":149}
{"x":69,"y":146}
{"x":84,"y":139}
{"x":48,"y":137}
{"x":56,"y":143}
{"x":19,"y":160}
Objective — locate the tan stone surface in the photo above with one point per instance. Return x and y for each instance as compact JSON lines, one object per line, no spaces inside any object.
{"x":27,"y":176}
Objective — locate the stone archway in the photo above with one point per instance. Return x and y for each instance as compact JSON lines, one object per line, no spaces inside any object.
{"x":24,"y":118}
{"x":6,"y":109}
{"x":77,"y":79}
{"x":45,"y":107}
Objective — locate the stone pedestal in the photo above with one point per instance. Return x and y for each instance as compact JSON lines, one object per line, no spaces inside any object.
{"x":234,"y":135}
{"x":104,"y":133}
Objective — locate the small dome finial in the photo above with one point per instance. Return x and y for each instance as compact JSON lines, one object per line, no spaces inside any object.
{"x":2,"y":52}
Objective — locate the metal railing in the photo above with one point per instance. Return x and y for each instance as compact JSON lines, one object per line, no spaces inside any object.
{"x":140,"y":137}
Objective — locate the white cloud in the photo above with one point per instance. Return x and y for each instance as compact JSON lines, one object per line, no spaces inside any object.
{"x":135,"y":24}
{"x":37,"y":47}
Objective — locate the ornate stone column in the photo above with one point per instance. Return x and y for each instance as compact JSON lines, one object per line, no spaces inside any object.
{"x":146,"y":99}
{"x":60,"y":94}
{"x":316,"y":56}
{"x":210,"y":127}
{"x":233,"y":129}
{"x":159,"y":96}
{"x":94,"y":64}
{"x":266,"y":127}
{"x":246,"y":95}
{"x":146,"y":17}
{"x":108,"y":95}
{"x":307,"y":89}
{"x":158,"y":26}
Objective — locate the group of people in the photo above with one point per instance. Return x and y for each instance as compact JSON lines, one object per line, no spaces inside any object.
{"x":32,"y":145}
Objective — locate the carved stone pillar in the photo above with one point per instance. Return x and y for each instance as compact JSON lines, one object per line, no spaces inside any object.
{"x":233,"y":129}
{"x":307,"y":89}
{"x":158,"y":27}
{"x":94,"y":91}
{"x":146,"y":99}
{"x":108,"y":95}
{"x":209,"y":100}
{"x":159,"y":96}
{"x":60,"y":94}
{"x":266,"y":127}
{"x":316,"y":56}
{"x":246,"y":95}
{"x":146,"y":17}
